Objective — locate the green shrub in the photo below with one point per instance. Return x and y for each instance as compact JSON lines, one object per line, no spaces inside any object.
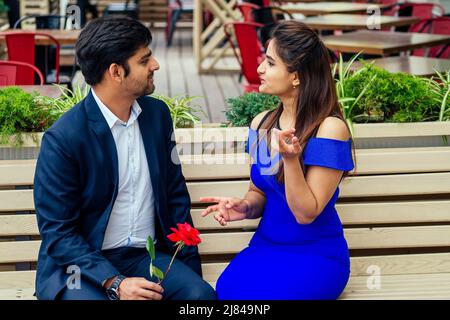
{"x":182,"y":110}
{"x":393,"y":97}
{"x":244,"y":108}
{"x":3,"y":7}
{"x":66,"y":101}
{"x":22,"y":112}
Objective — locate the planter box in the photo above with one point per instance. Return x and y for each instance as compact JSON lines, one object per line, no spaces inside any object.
{"x":215,"y":139}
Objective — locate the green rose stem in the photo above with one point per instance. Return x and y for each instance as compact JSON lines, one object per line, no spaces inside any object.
{"x":180,"y":245}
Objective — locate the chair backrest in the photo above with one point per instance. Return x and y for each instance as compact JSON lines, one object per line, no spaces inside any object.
{"x":392,"y":10}
{"x":250,"y":48}
{"x":247,"y":10}
{"x":424,"y":10}
{"x":269,"y":15}
{"x":440,"y":25}
{"x":9,"y":71}
{"x":421,"y":10}
{"x":423,"y":26}
{"x":21,"y":47}
{"x":44,"y":21}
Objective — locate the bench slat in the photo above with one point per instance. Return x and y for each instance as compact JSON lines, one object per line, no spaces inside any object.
{"x":357,"y":238}
{"x":233,"y":242}
{"x":21,"y":224}
{"x":424,"y":286}
{"x":389,"y":265}
{"x":17,"y":279}
{"x":368,"y":186}
{"x":434,"y":286}
{"x":19,"y":251}
{"x":349,"y":213}
{"x":366,"y":130}
{"x":369,"y":161}
{"x":17,"y":294}
{"x":231,"y":166}
{"x":16,"y":200}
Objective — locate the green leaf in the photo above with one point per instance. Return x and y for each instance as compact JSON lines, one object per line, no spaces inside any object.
{"x":151,"y":248}
{"x":158,"y":273}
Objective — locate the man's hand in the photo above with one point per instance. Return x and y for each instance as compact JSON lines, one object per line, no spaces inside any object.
{"x":139,"y":289}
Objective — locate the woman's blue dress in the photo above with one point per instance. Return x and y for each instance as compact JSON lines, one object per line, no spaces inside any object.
{"x":284,"y":259}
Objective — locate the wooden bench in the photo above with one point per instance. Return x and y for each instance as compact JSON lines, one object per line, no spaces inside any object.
{"x":395,"y":212}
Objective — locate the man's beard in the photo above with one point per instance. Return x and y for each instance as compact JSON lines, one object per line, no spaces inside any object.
{"x":140,"y":88}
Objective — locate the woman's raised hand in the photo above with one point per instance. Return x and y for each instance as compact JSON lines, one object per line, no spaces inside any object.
{"x":227,"y":209}
{"x":286,"y":143}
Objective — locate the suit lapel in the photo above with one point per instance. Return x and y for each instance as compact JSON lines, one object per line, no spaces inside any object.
{"x":105,"y":138}
{"x":150,"y":145}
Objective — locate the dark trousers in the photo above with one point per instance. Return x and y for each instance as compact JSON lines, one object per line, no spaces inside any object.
{"x":181,"y":283}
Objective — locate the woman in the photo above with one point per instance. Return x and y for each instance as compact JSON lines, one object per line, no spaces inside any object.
{"x":300,"y":152}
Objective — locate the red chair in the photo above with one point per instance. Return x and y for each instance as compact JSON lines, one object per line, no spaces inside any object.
{"x":10,"y":69}
{"x":246,"y":9}
{"x":423,"y":10}
{"x":251,"y":51}
{"x":440,"y":25}
{"x":175,"y":9}
{"x":390,"y":11}
{"x":21,"y":47}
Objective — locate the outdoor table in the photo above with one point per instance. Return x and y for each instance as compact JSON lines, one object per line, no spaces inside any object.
{"x":382,"y":42}
{"x":318,"y":8}
{"x":353,"y":22}
{"x":64,"y":37}
{"x":418,"y":66}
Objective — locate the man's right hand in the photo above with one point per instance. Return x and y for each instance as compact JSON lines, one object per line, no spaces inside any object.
{"x":139,"y":289}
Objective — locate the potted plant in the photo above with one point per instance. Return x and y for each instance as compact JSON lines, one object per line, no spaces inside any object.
{"x":383,"y":109}
{"x":25,"y":116}
{"x":183,"y":110}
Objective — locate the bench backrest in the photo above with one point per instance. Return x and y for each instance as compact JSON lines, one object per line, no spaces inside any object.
{"x":395,"y":211}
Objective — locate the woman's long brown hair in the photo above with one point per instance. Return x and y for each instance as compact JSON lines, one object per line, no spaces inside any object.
{"x":300,"y":48}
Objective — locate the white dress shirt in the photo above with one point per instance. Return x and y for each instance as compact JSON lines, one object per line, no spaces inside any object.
{"x":132,"y":218}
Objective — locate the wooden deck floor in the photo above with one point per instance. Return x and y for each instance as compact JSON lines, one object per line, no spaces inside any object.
{"x":178,"y":75}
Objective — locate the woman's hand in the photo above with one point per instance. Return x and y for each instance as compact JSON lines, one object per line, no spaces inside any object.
{"x":286,"y":143}
{"x":228,"y":209}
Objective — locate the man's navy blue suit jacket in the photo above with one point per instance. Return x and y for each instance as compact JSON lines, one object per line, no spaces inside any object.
{"x":76,"y":184}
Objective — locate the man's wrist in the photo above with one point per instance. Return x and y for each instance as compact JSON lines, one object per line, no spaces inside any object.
{"x":113,"y":290}
{"x":108,"y":282}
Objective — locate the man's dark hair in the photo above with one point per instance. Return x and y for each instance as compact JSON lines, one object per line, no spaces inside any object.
{"x":109,"y":40}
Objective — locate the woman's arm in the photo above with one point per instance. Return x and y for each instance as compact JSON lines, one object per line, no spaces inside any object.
{"x":308,"y":196}
{"x":256,"y":200}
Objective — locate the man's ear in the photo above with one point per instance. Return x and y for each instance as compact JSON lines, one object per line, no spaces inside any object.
{"x":116,"y":72}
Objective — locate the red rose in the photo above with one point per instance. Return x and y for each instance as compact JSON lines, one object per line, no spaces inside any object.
{"x":185,"y":233}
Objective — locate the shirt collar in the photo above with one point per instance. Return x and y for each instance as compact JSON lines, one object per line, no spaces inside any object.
{"x":111,"y":118}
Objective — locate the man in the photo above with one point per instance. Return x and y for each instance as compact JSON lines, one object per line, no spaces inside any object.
{"x":105,"y":181}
